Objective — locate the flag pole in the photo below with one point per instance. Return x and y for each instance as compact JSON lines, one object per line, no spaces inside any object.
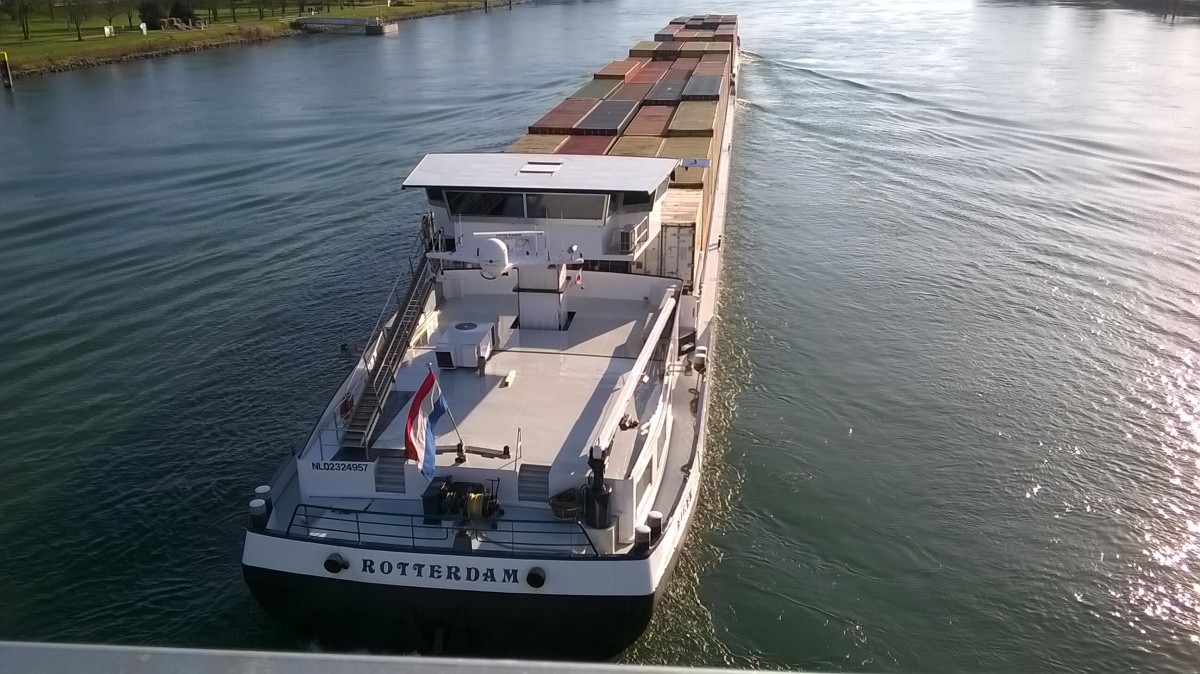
{"x":448,"y":412}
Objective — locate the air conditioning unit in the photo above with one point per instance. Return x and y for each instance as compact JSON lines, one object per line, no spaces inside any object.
{"x":628,"y":240}
{"x":465,"y":345}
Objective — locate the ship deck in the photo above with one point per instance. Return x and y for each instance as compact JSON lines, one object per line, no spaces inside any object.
{"x":562,"y":383}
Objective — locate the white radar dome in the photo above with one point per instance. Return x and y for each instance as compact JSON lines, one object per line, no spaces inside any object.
{"x":493,"y":257}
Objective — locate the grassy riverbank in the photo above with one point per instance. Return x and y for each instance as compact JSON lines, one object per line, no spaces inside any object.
{"x":54,"y":46}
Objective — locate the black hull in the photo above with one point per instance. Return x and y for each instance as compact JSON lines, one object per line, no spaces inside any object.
{"x":346,"y":615}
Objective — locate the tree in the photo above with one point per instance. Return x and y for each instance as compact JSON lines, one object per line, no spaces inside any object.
{"x":212,"y":6}
{"x":78,"y":11}
{"x":19,"y":10}
{"x":261,"y":6}
{"x":110,"y":9}
{"x":233,"y":9}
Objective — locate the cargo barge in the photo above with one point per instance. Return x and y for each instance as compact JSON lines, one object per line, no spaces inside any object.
{"x":513,"y":464}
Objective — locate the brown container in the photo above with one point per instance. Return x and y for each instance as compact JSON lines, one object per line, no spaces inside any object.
{"x":644,"y":49}
{"x":689,"y":178}
{"x":693,"y":49}
{"x":710,"y":70}
{"x":657,"y":66}
{"x":596,"y":89}
{"x":687,"y":148}
{"x":714,"y":57}
{"x":667,"y":51}
{"x":686,"y":63}
{"x":679,"y":76}
{"x":537,"y":144}
{"x":564,"y":116}
{"x":621,"y":70}
{"x":636,"y":146}
{"x":694,"y":118}
{"x":586,"y":145}
{"x":718,"y":47}
{"x":704,"y":36}
{"x":685,"y":36}
{"x":631,"y":91}
{"x":651,"y":120}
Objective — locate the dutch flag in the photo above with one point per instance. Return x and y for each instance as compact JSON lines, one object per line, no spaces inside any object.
{"x":420,"y":437}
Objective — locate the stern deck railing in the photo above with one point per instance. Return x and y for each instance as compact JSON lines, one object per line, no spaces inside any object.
{"x":512,"y":537}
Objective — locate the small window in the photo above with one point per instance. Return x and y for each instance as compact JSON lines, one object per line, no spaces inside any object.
{"x":643,"y":483}
{"x":637,"y":202}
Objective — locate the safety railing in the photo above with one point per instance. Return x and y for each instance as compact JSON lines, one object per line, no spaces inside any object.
{"x":540,"y":538}
{"x":628,"y":239}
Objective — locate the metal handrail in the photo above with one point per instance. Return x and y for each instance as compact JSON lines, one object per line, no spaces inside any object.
{"x":423,"y":532}
{"x":381,"y":381}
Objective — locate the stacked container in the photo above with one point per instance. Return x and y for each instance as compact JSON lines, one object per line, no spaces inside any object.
{"x":669,"y":98}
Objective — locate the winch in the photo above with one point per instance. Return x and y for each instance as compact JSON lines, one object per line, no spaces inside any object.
{"x":446,"y":498}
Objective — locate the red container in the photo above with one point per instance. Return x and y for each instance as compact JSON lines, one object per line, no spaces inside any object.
{"x":564,"y":116}
{"x":666,"y":34}
{"x":631,"y":91}
{"x":686,"y":64}
{"x":646,"y":77}
{"x":651,"y":121}
{"x":587,"y":145}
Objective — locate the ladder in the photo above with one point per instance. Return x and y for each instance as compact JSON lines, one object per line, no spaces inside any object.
{"x":395,"y":336}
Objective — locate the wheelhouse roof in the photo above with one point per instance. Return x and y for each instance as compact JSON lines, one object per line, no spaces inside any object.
{"x":541,"y":172}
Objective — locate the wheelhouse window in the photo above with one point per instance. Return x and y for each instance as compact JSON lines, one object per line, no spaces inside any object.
{"x":637,"y":202}
{"x":565,"y":206}
{"x":486,"y":204}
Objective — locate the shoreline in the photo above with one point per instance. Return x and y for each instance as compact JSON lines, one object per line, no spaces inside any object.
{"x":255,"y":34}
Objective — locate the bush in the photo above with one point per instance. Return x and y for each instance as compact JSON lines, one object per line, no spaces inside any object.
{"x":182,"y":10}
{"x":150,"y":11}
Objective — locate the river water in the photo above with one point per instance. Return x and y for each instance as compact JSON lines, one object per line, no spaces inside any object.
{"x":959,"y":426}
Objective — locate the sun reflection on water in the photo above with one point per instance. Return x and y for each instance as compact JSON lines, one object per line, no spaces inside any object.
{"x":1165,"y":586}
